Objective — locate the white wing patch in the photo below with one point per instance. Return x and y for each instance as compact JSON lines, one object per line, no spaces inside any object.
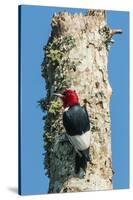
{"x":80,"y":142}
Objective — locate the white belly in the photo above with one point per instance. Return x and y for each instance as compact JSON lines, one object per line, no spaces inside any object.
{"x":80,"y":142}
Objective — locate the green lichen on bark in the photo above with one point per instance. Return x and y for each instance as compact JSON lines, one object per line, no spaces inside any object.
{"x":54,"y":69}
{"x":56,"y":59}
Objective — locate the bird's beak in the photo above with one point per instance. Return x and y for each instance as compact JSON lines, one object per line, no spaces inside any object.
{"x":58,"y":95}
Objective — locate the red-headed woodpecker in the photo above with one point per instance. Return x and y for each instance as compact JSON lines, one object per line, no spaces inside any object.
{"x":77,"y":124}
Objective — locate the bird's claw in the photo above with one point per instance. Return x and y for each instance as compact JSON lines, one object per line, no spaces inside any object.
{"x":63,"y":139}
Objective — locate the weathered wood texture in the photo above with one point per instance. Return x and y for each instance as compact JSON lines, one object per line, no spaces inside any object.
{"x":76,"y":56}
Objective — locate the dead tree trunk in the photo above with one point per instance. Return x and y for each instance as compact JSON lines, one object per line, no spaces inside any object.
{"x":76,"y":57}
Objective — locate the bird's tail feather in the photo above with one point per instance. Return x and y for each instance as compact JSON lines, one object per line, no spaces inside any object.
{"x":85,"y":154}
{"x":81,"y":161}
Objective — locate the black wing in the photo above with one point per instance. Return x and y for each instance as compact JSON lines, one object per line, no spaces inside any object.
{"x":76,"y":120}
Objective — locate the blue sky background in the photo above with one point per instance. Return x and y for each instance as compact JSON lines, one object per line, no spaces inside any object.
{"x":35,"y":30}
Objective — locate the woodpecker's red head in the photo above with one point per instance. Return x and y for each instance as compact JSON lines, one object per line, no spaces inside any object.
{"x":69,"y":97}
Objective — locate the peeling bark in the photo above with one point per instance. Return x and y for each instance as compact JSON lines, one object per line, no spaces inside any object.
{"x":76,"y":57}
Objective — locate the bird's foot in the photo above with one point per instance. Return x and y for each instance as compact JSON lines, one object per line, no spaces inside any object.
{"x":63,"y":138}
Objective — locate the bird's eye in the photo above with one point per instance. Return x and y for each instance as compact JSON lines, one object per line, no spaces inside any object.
{"x":64,"y":94}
